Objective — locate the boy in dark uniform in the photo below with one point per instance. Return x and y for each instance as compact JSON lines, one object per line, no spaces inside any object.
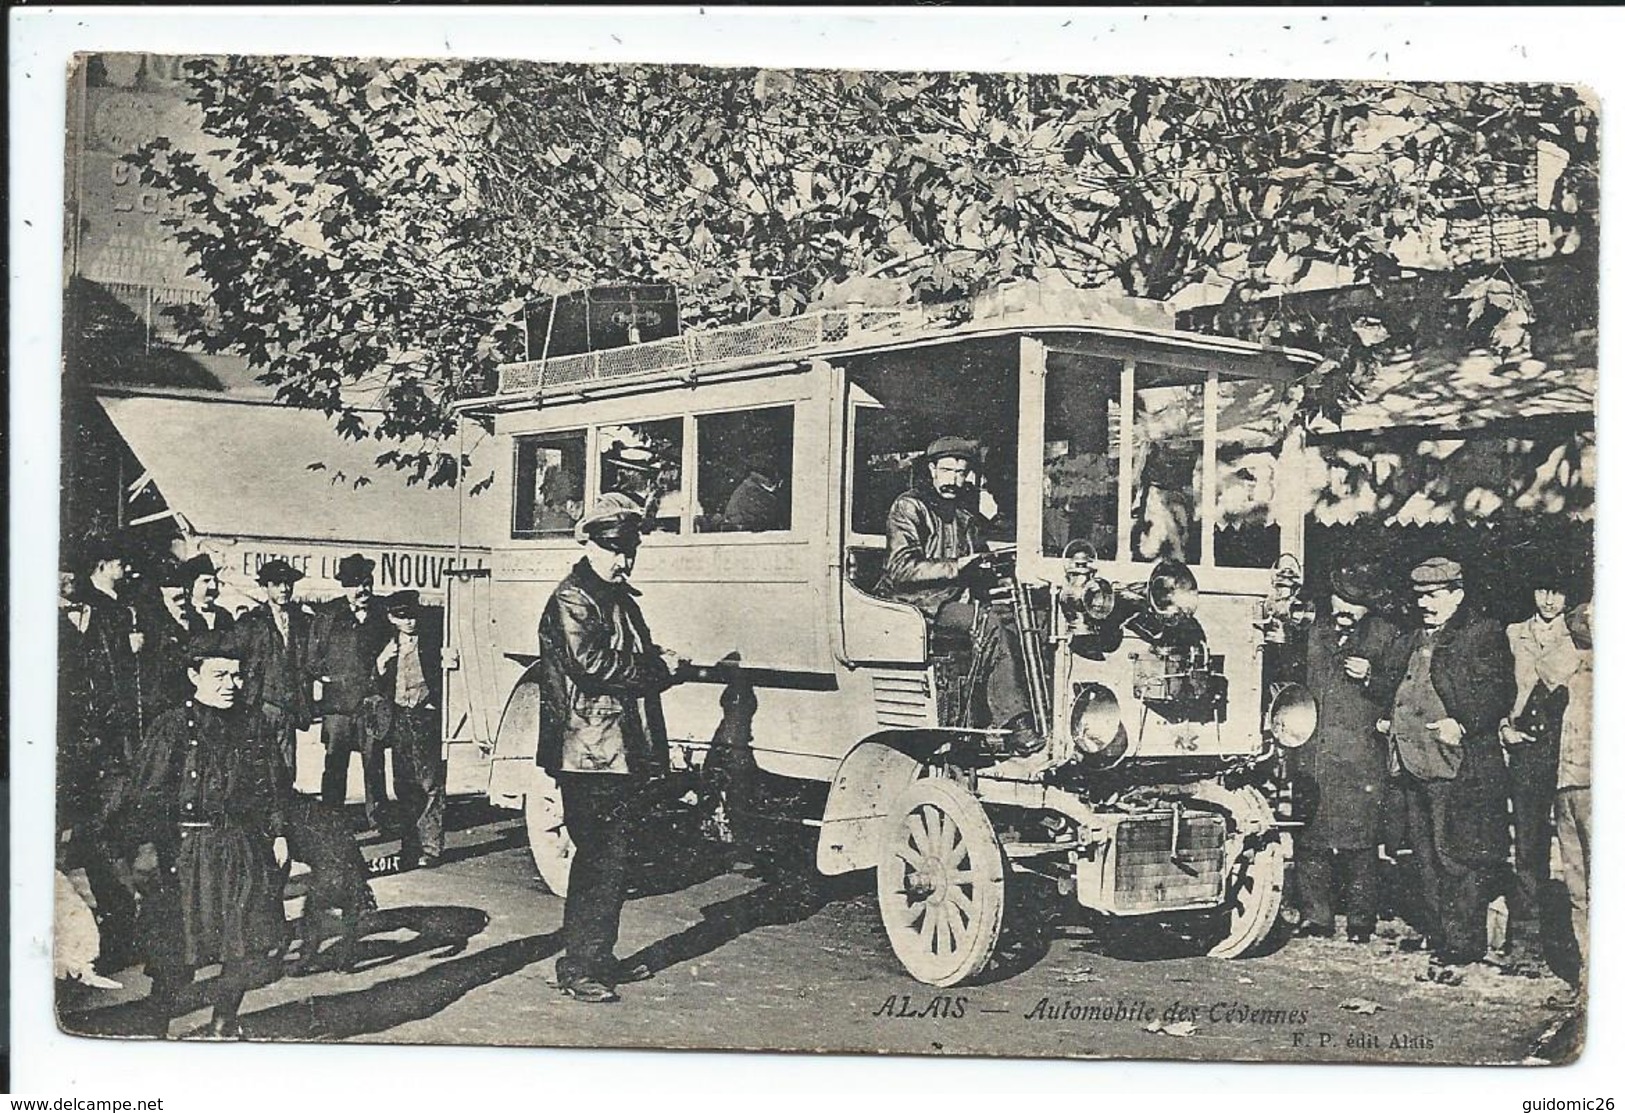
{"x":205,"y":810}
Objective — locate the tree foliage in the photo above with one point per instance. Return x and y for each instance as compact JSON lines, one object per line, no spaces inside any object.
{"x":373,"y":230}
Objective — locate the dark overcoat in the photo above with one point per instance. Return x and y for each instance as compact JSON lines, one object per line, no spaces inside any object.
{"x":1340,"y":776}
{"x":275,"y":670}
{"x":601,"y":679}
{"x":1472,"y":672}
{"x":206,"y":793}
{"x":346,"y":652}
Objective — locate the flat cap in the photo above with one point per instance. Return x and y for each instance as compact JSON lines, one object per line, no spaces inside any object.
{"x":171,"y":573}
{"x":962,"y":447}
{"x":615,"y":522}
{"x":278,"y":571}
{"x":402,"y":604}
{"x":1436,"y":571}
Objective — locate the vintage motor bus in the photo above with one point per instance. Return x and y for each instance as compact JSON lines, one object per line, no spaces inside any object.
{"x":1148,"y":540}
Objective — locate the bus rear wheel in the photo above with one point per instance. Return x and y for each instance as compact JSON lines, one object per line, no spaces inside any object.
{"x":941,"y":883}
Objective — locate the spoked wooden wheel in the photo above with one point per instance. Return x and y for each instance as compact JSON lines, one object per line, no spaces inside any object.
{"x":550,"y":843}
{"x":1255,"y":900}
{"x":941,"y":883}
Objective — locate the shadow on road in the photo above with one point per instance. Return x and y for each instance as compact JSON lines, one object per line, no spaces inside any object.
{"x":789,"y":901}
{"x":440,"y":931}
{"x":385,"y":1005}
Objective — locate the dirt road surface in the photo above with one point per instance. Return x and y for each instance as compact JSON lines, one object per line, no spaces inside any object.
{"x":462,"y":953}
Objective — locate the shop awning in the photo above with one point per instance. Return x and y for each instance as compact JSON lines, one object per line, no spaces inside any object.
{"x":248,"y":469}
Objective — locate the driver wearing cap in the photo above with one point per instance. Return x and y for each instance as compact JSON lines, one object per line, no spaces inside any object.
{"x":934,"y":552}
{"x":602,"y":736}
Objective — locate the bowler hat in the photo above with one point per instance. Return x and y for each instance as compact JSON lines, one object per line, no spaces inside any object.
{"x":1435,"y":572}
{"x":200,"y":565}
{"x":962,"y":447}
{"x":1357,"y":584}
{"x":279,"y":571}
{"x":354,"y":569}
{"x":402,"y":604}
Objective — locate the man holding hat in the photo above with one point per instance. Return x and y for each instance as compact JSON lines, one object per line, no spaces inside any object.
{"x":204,"y":809}
{"x":345,"y":640}
{"x":602,"y":735}
{"x":274,"y":641}
{"x":1340,"y":775}
{"x":1456,"y":686}
{"x":205,"y":589}
{"x":934,"y":551}
{"x":1544,"y":659}
{"x":408,"y":683}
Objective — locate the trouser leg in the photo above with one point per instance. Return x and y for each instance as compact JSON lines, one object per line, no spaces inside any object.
{"x":406,"y":791}
{"x":1360,"y":887}
{"x":1315,"y":886}
{"x":1005,"y":687}
{"x":372,"y":777}
{"x":430,"y":783}
{"x":1424,"y":902}
{"x":1007,"y":696}
{"x":167,"y":983}
{"x":596,"y":810}
{"x":1462,"y":887}
{"x":230,"y":988}
{"x":1574,"y":845}
{"x":1533,"y":769}
{"x":339,"y":738}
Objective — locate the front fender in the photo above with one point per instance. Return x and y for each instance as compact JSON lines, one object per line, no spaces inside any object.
{"x":860,"y":798}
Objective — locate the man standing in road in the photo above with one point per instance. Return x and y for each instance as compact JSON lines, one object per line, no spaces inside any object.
{"x":1544,"y":658}
{"x":1341,"y":773}
{"x":602,"y":735}
{"x":205,"y":810}
{"x":934,"y":551}
{"x":409,"y":683}
{"x":346,"y":638}
{"x":205,"y":590}
{"x":274,"y":642}
{"x":1456,"y":686}
{"x":1573,"y":806}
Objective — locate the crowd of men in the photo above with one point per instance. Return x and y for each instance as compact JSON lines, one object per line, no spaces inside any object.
{"x":178,"y":728}
{"x":1445,"y":747}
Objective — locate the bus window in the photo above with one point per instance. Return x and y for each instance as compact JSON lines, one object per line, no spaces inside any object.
{"x":884,"y":450}
{"x":644,"y":459}
{"x":1167,"y":461}
{"x":744,"y":471}
{"x":1081,"y":454}
{"x":549,"y":484}
{"x":1250,"y":422}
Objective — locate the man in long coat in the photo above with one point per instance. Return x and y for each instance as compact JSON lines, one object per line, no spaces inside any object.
{"x":345,"y":641}
{"x":1455,"y":688}
{"x":274,"y":641}
{"x":168,"y":625}
{"x":204,"y":591}
{"x":204,"y":810}
{"x":97,"y":753}
{"x":1341,"y":773}
{"x":602,"y":736}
